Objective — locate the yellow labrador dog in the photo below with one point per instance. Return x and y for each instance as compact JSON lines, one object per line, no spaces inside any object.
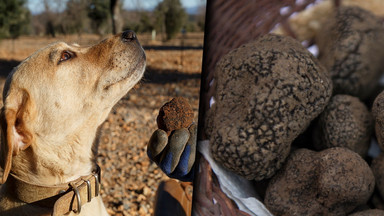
{"x":53,"y":103}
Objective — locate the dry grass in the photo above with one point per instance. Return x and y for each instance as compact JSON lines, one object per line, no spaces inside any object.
{"x":21,"y":48}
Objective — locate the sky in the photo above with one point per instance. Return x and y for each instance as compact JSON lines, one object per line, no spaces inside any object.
{"x":37,"y":6}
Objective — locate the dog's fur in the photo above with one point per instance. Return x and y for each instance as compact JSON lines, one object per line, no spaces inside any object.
{"x":52,"y":108}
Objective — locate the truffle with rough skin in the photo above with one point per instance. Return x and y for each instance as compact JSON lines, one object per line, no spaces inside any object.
{"x":351,"y":48}
{"x":377,"y":167}
{"x":331,"y":182}
{"x":345,"y":122}
{"x":378,"y":117}
{"x":175,"y":114}
{"x":369,"y":212}
{"x":268,"y":91}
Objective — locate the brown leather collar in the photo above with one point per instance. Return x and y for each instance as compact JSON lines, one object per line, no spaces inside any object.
{"x":62,"y":198}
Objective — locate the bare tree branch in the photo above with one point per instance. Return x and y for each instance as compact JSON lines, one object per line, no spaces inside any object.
{"x":117,"y":24}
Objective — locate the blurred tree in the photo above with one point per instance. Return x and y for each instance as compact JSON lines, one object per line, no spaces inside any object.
{"x":75,"y":16}
{"x":98,"y":12}
{"x":115,"y":8}
{"x":138,"y":21}
{"x":201,"y":17}
{"x":49,"y":17}
{"x":171,"y":16}
{"x":145,"y":23}
{"x":196,"y":21}
{"x":14,"y":18}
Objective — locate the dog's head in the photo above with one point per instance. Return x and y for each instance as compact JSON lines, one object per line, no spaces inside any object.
{"x":63,"y":88}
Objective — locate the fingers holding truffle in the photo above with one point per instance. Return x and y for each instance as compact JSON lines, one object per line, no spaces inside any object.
{"x":173,"y":146}
{"x":174,"y":149}
{"x":157,"y":143}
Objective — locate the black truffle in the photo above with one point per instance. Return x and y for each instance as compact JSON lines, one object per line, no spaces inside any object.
{"x":332,"y":182}
{"x":378,"y":170}
{"x":175,"y":115}
{"x":369,"y":212}
{"x":378,"y":117}
{"x":351,"y":46}
{"x":268,"y":91}
{"x":345,"y":122}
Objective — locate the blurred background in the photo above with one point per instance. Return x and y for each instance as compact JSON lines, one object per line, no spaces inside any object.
{"x":171,"y":32}
{"x":158,"y":21}
{"x":63,"y":17}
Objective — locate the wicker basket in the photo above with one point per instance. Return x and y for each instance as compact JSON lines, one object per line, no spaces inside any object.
{"x":229,"y":24}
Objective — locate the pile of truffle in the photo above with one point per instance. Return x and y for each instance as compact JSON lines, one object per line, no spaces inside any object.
{"x":304,"y":124}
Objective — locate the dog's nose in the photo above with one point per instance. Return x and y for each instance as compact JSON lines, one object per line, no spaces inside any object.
{"x":128,"y":36}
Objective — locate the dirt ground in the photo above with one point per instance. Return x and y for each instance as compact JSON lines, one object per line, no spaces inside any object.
{"x":129,"y":178}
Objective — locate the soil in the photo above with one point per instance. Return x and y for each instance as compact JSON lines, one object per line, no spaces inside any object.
{"x":129,"y":178}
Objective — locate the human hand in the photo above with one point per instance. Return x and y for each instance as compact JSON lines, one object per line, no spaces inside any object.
{"x":175,"y":155}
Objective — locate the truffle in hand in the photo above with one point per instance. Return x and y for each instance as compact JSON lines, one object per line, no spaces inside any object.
{"x":174,"y":115}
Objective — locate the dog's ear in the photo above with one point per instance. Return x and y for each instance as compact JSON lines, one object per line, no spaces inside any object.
{"x":15,"y":135}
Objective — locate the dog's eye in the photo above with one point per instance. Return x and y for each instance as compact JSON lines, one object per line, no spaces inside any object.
{"x":66,"y":55}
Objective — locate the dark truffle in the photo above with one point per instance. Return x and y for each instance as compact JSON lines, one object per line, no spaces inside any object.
{"x":378,"y":117}
{"x":332,"y":182}
{"x":268,"y":91}
{"x":345,"y":122}
{"x":370,"y":212}
{"x":378,"y":170}
{"x":351,"y":48}
{"x":175,"y":114}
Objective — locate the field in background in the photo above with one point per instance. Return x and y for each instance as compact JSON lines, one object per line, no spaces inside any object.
{"x":129,"y":179}
{"x":21,"y":48}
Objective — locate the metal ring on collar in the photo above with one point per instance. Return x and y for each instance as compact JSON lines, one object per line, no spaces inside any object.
{"x":97,"y":184}
{"x":89,"y":189}
{"x":74,"y":188}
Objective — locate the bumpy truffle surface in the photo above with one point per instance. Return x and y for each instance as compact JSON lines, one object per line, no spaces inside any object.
{"x":345,"y":122}
{"x":268,"y":91}
{"x":378,"y":170}
{"x":175,"y":114}
{"x":378,"y":117}
{"x":370,"y":212}
{"x":331,"y":182}
{"x":351,"y":48}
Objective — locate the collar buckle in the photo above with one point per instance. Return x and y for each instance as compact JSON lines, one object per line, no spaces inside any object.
{"x":78,"y":198}
{"x":77,"y":186}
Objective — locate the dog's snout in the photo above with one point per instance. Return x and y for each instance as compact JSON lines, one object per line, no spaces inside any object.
{"x":128,"y":36}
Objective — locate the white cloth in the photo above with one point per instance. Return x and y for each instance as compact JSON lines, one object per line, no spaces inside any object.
{"x":234,"y":186}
